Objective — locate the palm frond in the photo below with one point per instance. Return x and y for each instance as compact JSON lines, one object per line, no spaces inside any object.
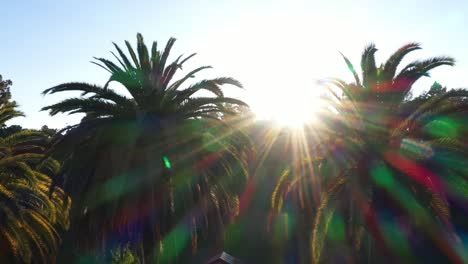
{"x":369,"y":69}
{"x":22,"y":137}
{"x":85,"y":88}
{"x":8,"y":112}
{"x":165,"y":54}
{"x":276,"y":197}
{"x":127,"y":64}
{"x":143,"y":54}
{"x":324,"y":216}
{"x":426,"y":107}
{"x":212,"y":86}
{"x":395,"y":59}
{"x":449,"y":143}
{"x":107,"y":64}
{"x":352,"y":69}
{"x":417,"y":69}
{"x":189,"y":75}
{"x":87,"y":106}
{"x":132,"y":54}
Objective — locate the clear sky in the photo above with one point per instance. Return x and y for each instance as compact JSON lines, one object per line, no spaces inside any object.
{"x":277,"y":49}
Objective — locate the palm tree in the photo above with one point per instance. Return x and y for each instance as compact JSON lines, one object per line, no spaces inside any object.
{"x":379,"y":156}
{"x":158,"y":160}
{"x":30,"y":216}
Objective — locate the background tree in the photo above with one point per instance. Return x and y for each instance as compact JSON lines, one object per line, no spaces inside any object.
{"x":30,"y":217}
{"x":9,"y":130}
{"x":5,"y":89}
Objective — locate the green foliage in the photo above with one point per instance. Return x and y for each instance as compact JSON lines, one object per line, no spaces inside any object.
{"x":324,"y":216}
{"x":8,"y":130}
{"x":373,"y":119}
{"x":124,"y":255}
{"x":30,"y":216}
{"x":5,"y":94}
{"x":163,"y":166}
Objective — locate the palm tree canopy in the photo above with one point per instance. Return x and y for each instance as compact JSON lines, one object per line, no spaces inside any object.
{"x":385,"y":79}
{"x":374,"y":103}
{"x":30,"y":216}
{"x":376,"y":152}
{"x":148,"y":78}
{"x":158,"y":153}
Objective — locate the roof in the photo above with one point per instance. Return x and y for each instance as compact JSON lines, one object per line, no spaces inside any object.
{"x":224,"y":258}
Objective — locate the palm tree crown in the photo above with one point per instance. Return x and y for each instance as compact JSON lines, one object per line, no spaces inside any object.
{"x":161,"y":134}
{"x":148,"y":79}
{"x":30,"y":216}
{"x":372,"y":140}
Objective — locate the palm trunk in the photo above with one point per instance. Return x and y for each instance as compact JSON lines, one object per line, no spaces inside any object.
{"x":148,"y":250}
{"x":369,"y":239}
{"x":159,"y":191}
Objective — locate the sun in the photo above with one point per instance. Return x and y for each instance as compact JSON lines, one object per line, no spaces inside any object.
{"x":295,"y":117}
{"x":293,"y":109}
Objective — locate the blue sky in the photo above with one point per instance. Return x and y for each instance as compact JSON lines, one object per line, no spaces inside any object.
{"x":277,"y":49}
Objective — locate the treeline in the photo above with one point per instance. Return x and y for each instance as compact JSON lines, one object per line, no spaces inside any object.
{"x":176,"y":172}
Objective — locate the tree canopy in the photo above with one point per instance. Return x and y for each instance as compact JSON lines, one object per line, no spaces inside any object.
{"x":172,"y":170}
